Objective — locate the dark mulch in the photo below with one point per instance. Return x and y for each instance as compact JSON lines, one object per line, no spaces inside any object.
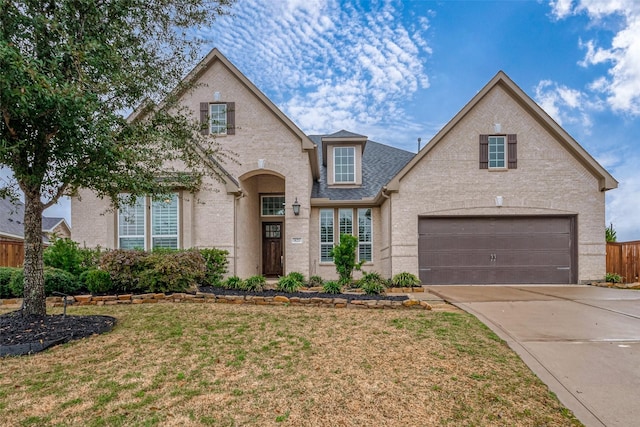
{"x":29,"y":334}
{"x":270,"y":293}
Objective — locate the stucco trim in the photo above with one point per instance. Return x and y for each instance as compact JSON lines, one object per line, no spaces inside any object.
{"x":606,"y":180}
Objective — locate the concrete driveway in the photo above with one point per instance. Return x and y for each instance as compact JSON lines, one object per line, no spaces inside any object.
{"x":582,"y":341}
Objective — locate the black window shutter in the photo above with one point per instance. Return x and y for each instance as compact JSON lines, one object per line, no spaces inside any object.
{"x":204,"y":118}
{"x":512,"y":142}
{"x":484,"y":151}
{"x":231,"y":118}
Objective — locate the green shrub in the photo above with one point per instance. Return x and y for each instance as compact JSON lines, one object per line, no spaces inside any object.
{"x":125,"y":267}
{"x":55,"y":280}
{"x":405,"y":280}
{"x":98,"y":281}
{"x":90,"y":258}
{"x":216,"y":262}
{"x":63,"y":254}
{"x":6,"y":273}
{"x":298,"y":276}
{"x":332,"y":287}
{"x":372,"y":283}
{"x":344,"y":256}
{"x":255,"y":283}
{"x":613,"y":278}
{"x":172,"y":271}
{"x":289,"y":283}
{"x":315,"y":281}
{"x":233,"y":282}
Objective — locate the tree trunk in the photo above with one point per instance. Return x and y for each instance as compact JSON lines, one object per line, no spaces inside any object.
{"x":34,"y":297}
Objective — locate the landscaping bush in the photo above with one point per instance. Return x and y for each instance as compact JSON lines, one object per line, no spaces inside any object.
{"x":97,"y":281}
{"x":372,"y":283}
{"x":233,"y":282}
{"x":255,"y":283}
{"x":124,"y":266}
{"x":172,"y":271}
{"x":90,"y":258}
{"x":405,"y":280}
{"x":55,"y":280}
{"x":63,"y":254}
{"x":289,"y":283}
{"x":315,"y":281}
{"x":297,"y":276}
{"x":344,"y":257}
{"x":216,"y":262}
{"x":6,"y":273}
{"x":613,"y":278}
{"x":332,"y":287}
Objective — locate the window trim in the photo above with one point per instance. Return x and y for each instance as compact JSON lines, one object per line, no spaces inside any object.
{"x":177,"y":235}
{"x":144,"y":224}
{"x":335,"y":165}
{"x":355,"y":230}
{"x":503,"y":138}
{"x":332,"y":235}
{"x":364,"y":243}
{"x":263,"y":196}
{"x":219,"y":126}
{"x":147,"y":206}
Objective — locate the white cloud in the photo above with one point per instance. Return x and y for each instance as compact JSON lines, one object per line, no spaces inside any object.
{"x":621,"y":85}
{"x":330,"y":65}
{"x":566,"y":105}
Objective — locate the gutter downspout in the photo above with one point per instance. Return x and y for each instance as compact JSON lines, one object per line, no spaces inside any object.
{"x":388,"y":197}
{"x":235,"y":232}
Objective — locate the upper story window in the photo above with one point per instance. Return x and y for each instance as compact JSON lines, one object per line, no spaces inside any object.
{"x":496,"y":152}
{"x":272,"y":205}
{"x":218,"y":119}
{"x":344,"y":164}
{"x":499,"y":152}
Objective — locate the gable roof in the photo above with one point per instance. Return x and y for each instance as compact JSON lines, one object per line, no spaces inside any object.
{"x":380,"y":163}
{"x":12,"y":220}
{"x":606,"y":181}
{"x":215,"y":55}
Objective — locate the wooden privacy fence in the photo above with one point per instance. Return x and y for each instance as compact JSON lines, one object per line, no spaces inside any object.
{"x":11,"y":253}
{"x":624,"y":259}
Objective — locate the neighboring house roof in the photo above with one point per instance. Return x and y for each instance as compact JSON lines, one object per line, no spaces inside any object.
{"x":12,"y":221}
{"x":380,"y":163}
{"x":607,"y":182}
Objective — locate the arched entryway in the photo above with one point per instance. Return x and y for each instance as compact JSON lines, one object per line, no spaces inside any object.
{"x":261,"y":224}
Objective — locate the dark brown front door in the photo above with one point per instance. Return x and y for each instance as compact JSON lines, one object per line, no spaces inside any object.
{"x":272,"y":248}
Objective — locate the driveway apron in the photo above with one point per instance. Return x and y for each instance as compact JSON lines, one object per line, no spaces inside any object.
{"x":582,"y":341}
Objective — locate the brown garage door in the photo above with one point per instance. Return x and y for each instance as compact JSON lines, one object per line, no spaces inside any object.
{"x":497,"y":250}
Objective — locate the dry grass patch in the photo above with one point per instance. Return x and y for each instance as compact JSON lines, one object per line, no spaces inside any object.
{"x":229,"y":365}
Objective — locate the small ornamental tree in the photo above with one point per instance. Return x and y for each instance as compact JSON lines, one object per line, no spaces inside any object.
{"x":344,"y":257}
{"x":69,"y":70}
{"x":610,"y":234}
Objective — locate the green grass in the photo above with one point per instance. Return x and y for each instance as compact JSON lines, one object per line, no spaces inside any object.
{"x":228,"y":365}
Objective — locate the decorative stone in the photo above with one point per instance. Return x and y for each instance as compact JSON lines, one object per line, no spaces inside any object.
{"x":426,"y":305}
{"x":281,"y":298}
{"x":341,"y":305}
{"x":124,"y":297}
{"x":83,"y":298}
{"x":340,"y":301}
{"x":418,"y":289}
{"x":410,"y":303}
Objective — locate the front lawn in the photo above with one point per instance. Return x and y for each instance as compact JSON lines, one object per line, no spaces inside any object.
{"x":228,"y":365}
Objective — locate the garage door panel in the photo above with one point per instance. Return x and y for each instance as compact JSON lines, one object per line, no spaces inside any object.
{"x":519,"y":258}
{"x":500,"y":250}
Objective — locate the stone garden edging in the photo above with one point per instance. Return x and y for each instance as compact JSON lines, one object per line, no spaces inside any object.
{"x":208,"y":298}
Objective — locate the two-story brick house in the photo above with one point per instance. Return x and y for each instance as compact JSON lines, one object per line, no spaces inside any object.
{"x":502,"y":194}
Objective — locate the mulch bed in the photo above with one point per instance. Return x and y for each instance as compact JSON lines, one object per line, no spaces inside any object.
{"x":310,"y":294}
{"x":21,"y":335}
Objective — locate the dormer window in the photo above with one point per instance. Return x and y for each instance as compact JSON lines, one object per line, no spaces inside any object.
{"x":344,"y":163}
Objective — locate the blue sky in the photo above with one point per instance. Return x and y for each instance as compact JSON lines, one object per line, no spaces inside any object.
{"x":396,"y":71}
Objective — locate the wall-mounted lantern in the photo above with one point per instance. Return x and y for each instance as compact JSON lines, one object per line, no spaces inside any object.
{"x":296,"y":207}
